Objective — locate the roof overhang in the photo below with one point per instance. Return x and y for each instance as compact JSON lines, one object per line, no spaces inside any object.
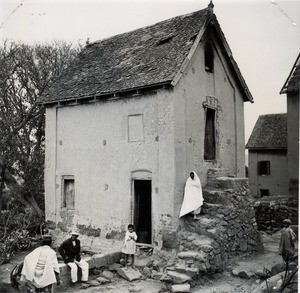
{"x":284,"y":89}
{"x":136,"y":92}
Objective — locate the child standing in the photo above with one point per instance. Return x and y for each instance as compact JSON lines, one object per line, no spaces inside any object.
{"x":129,"y":244}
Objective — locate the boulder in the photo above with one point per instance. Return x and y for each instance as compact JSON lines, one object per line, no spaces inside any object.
{"x":157,"y":276}
{"x":188,"y":254}
{"x":166,"y":278}
{"x":179,"y":278}
{"x":95,"y":283}
{"x":102,"y":280}
{"x":147,"y":272}
{"x":114,"y":267}
{"x":181,"y":288}
{"x":129,"y":274}
{"x":107,"y":275}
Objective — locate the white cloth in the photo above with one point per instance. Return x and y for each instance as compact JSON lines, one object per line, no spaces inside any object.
{"x":42,"y":277}
{"x":84,"y":268}
{"x":130,"y":243}
{"x":193,"y":197}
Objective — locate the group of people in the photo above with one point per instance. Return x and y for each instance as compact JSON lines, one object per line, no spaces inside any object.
{"x":40,"y":267}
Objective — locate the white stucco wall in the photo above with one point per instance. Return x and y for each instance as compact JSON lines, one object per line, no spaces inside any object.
{"x":277,"y":181}
{"x":90,"y":142}
{"x":189,"y":94}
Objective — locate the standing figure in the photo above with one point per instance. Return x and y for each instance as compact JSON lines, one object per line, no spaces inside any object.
{"x":287,"y":241}
{"x":129,"y":244}
{"x":193,"y":197}
{"x":70,"y":252}
{"x":40,"y":269}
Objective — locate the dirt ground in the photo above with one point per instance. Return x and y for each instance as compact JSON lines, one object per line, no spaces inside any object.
{"x":219,"y":283}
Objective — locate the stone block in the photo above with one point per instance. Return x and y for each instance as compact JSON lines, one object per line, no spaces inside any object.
{"x":129,"y":274}
{"x":98,"y":261}
{"x":94,"y":283}
{"x":188,"y":255}
{"x":179,"y":278}
{"x":107,"y":275}
{"x":147,"y":272}
{"x":170,"y":239}
{"x":181,"y":288}
{"x":157,"y":276}
{"x":114,"y":267}
{"x":103,"y":280}
{"x":166,"y":278}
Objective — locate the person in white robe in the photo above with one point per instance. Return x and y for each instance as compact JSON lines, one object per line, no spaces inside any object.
{"x":193,"y":196}
{"x":40,"y":270}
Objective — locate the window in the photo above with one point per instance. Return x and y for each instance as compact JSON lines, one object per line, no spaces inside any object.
{"x":209,"y":58}
{"x":264,"y":192}
{"x":135,"y":128}
{"x":209,"y":138}
{"x":68,"y":196}
{"x":263,"y":168}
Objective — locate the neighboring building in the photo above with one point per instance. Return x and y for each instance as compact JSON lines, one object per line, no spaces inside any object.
{"x":128,"y":121}
{"x":268,"y":165}
{"x":292,"y":90}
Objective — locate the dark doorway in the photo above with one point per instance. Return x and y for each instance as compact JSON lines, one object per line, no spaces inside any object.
{"x":142,"y":210}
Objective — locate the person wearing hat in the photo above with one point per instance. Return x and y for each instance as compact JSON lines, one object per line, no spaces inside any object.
{"x":70,"y":252}
{"x":287,"y":241}
{"x":40,"y":269}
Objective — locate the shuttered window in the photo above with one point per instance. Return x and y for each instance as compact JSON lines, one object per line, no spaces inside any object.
{"x":209,"y":139}
{"x":263,"y":168}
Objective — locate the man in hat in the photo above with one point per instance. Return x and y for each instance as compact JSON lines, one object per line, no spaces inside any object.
{"x":287,"y":241}
{"x":70,"y":252}
{"x":40,"y":269}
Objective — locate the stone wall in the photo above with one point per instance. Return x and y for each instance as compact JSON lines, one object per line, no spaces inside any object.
{"x":227,"y":227}
{"x":271,"y":211}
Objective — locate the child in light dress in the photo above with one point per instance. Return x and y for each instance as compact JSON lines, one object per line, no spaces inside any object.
{"x":129,"y":244}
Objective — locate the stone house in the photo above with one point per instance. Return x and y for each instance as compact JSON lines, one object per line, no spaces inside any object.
{"x":131,"y":117}
{"x":268,"y":162}
{"x":292,"y":90}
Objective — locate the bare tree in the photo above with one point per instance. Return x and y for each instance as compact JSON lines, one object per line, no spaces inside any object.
{"x":26,"y":72}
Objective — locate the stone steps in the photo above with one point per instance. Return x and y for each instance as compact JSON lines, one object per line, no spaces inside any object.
{"x":225,"y":227}
{"x":214,"y":196}
{"x":223,"y":183}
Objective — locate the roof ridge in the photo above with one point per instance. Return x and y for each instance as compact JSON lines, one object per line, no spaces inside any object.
{"x":150,"y":25}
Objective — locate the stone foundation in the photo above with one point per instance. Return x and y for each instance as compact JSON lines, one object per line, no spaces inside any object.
{"x":226,"y":228}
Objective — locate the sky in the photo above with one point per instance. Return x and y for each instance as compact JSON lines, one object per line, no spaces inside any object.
{"x":264,"y":35}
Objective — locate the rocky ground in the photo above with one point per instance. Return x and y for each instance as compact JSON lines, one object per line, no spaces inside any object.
{"x":241,"y":276}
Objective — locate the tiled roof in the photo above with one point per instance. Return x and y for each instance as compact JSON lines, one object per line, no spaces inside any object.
{"x":292,"y":84}
{"x":269,"y":132}
{"x":141,"y":58}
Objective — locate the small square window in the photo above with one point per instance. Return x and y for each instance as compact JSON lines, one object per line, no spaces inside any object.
{"x":135,"y":128}
{"x":264,"y":192}
{"x":263,"y":168}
